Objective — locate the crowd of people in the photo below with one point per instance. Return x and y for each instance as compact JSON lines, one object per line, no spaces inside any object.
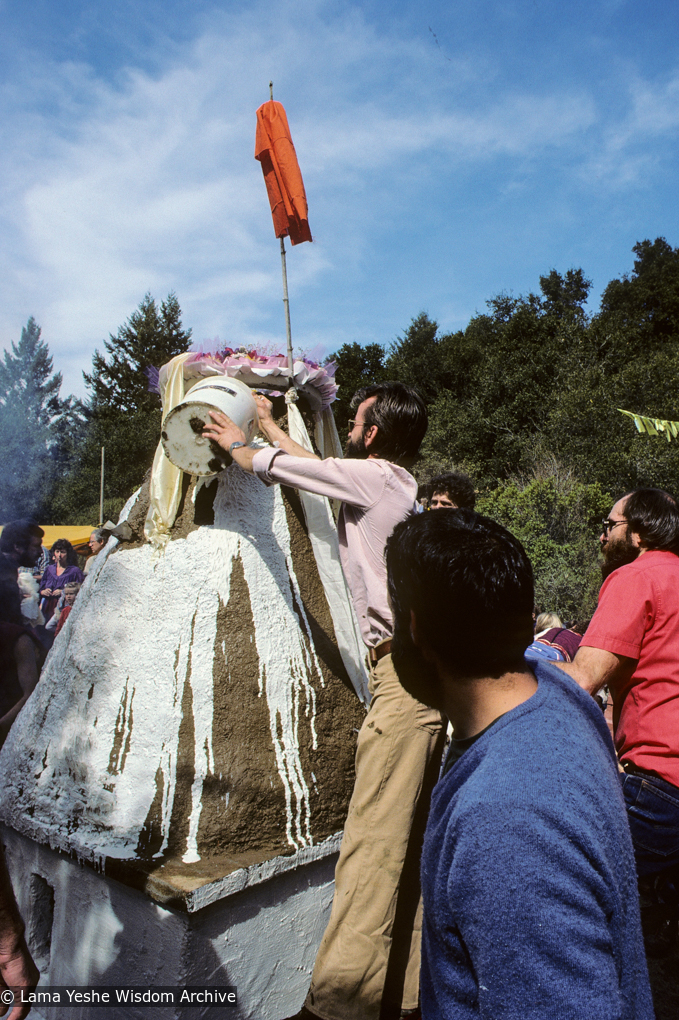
{"x":533,"y":838}
{"x":38,"y":588}
{"x":505,"y":881}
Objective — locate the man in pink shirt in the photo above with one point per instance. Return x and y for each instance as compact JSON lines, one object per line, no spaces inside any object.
{"x":367,"y":966}
{"x":632,"y":645}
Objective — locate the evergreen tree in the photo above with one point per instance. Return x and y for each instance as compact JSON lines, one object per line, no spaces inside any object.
{"x":30,"y":411}
{"x":415,"y":359}
{"x":150,"y":337}
{"x":122,"y":415}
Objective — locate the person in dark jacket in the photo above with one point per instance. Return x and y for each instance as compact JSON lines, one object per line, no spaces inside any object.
{"x":20,"y":546}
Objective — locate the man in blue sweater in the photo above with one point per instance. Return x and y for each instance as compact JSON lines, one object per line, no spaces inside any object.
{"x":528,"y":878}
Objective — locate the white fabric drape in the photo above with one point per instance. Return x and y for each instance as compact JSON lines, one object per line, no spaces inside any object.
{"x":166,"y":479}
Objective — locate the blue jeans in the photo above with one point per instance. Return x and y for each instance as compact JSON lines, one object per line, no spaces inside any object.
{"x":653,"y":813}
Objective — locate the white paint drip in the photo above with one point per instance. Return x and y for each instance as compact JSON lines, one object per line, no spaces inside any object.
{"x":147,"y":624}
{"x":200,"y":675}
{"x":283,"y":662}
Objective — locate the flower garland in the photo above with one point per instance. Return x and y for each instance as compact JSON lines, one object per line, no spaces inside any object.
{"x":255,"y":370}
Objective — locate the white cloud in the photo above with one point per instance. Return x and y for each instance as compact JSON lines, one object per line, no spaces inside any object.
{"x":150,"y":184}
{"x":631,"y":148}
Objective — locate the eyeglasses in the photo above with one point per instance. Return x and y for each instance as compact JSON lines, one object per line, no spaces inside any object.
{"x":355,"y":421}
{"x":607,"y":524}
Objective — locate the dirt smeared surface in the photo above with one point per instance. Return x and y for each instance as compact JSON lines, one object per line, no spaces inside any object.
{"x":137,"y":516}
{"x":244,"y":800}
{"x":243,"y":797}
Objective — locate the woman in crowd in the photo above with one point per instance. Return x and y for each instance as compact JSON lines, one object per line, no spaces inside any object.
{"x":63,"y":569}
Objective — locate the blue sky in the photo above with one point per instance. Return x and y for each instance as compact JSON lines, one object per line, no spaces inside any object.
{"x":450,"y":151}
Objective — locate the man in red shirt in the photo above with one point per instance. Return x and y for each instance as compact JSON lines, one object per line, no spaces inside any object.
{"x":632,"y":645}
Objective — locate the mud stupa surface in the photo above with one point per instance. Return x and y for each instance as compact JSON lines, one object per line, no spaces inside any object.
{"x":194,"y":715}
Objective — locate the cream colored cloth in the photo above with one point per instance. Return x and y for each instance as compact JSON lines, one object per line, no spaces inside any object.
{"x":327,"y":439}
{"x":166,"y":479}
{"x":324,"y":542}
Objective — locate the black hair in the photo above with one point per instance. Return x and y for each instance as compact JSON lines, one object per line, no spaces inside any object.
{"x":19,"y":533}
{"x":71,"y":555}
{"x":401,"y":419}
{"x":580,"y":625}
{"x":456,"y":485}
{"x":654,"y":516}
{"x":469,"y":583}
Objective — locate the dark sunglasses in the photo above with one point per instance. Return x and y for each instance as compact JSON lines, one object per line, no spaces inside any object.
{"x":607,"y":524}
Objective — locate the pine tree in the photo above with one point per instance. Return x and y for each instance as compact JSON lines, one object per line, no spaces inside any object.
{"x":121,"y":415}
{"x":415,"y":358}
{"x":150,"y":337}
{"x":30,"y":410}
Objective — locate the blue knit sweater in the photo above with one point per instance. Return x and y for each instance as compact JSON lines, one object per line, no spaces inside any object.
{"x":531,"y":909}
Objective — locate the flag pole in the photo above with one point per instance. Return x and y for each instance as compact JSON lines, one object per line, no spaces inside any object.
{"x":101,"y":490}
{"x":286,"y":300}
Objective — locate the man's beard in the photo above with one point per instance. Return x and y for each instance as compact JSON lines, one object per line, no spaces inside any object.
{"x":355,"y":450}
{"x":623,"y":552}
{"x":417,"y":676}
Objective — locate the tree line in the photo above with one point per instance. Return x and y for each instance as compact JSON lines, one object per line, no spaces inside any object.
{"x":50,"y":453}
{"x":525,"y":399}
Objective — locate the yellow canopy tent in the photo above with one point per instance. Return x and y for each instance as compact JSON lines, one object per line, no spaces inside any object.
{"x":75,"y":535}
{"x":78,"y":535}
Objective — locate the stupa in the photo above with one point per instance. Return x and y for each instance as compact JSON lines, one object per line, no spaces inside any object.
{"x":174,"y":791}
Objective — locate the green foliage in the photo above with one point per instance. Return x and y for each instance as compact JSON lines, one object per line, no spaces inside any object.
{"x":356,"y":367}
{"x":558,"y":520}
{"x":415,"y":358}
{"x":501,"y":374}
{"x":564,"y":296}
{"x":152,"y":336}
{"x":534,"y":375}
{"x":535,"y":378}
{"x":31,"y":422}
{"x":122,"y":415}
{"x":645,"y":304}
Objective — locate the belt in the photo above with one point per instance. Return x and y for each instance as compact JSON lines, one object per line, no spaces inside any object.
{"x":636,"y":770}
{"x":379,"y":651}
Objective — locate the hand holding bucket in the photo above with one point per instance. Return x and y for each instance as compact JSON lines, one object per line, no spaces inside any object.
{"x":189,"y":438}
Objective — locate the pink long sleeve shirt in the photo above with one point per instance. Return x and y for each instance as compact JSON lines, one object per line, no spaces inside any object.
{"x":375,"y":495}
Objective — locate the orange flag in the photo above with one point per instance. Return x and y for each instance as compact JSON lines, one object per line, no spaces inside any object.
{"x":283,"y":177}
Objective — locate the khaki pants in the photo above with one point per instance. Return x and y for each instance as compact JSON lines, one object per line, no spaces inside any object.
{"x":368,"y":963}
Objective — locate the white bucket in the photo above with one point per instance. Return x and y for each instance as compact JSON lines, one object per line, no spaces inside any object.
{"x":182,"y":437}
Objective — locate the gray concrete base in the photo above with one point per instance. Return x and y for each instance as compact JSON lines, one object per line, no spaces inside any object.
{"x":85,"y":928}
